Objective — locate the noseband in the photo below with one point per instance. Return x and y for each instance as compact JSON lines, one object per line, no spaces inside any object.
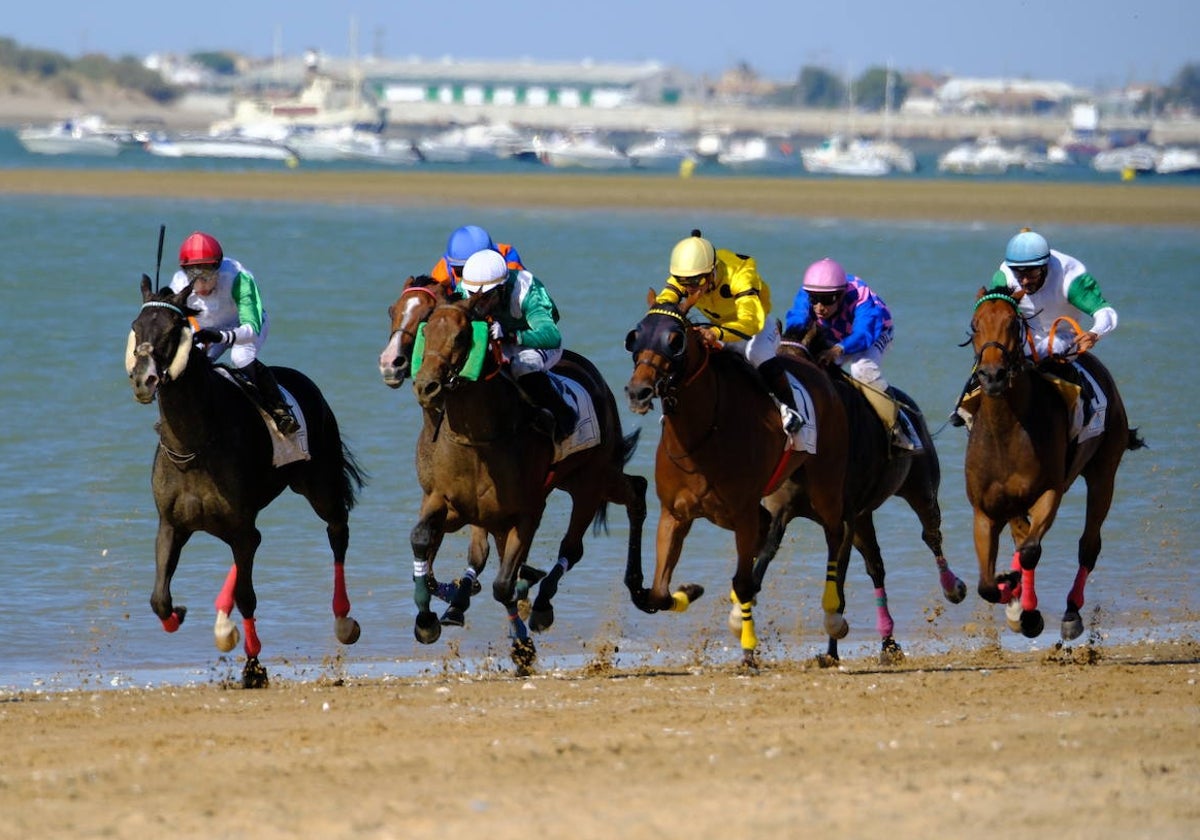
{"x":1013,"y":357}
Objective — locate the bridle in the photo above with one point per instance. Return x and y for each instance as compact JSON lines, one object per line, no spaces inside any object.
{"x":1013,"y":357}
{"x":669,"y":373}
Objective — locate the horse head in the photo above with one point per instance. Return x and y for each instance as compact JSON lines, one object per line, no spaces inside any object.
{"x":450,"y":336}
{"x":998,"y":334}
{"x":417,"y":299}
{"x":660,"y":346}
{"x":160,"y":341}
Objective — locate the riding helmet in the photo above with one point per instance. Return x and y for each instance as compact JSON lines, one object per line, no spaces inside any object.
{"x":693,"y":256}
{"x":824,"y":276}
{"x":465,"y":241}
{"x":484,"y":270}
{"x":200,"y":249}
{"x":1027,"y":249}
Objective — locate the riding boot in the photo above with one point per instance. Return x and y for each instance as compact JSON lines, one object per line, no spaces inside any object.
{"x":547,"y":397}
{"x":774,"y":374}
{"x":274,"y":403}
{"x":959,"y":416}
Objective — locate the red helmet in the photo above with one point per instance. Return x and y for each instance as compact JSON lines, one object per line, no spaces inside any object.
{"x":200,"y":249}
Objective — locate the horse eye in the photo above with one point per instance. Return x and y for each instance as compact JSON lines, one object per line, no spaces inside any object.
{"x":677,"y":344}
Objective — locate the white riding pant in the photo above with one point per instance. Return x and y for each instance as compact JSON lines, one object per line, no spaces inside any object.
{"x":523,"y":360}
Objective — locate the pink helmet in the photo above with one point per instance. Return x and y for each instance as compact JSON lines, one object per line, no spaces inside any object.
{"x":824,"y":276}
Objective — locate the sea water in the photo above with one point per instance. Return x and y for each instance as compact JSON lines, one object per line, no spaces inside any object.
{"x":77,"y":519}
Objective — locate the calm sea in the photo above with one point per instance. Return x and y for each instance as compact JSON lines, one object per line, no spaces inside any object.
{"x":77,"y":520}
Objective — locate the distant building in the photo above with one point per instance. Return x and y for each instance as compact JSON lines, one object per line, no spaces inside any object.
{"x":1006,"y":96}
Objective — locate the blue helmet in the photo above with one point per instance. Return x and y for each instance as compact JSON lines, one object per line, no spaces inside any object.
{"x":466,"y":241}
{"x":1027,"y":249}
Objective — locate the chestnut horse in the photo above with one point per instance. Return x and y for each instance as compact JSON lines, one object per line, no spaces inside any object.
{"x":481,"y":462}
{"x":877,"y":471}
{"x":723,"y":449}
{"x":213,"y":469}
{"x":1021,"y":459}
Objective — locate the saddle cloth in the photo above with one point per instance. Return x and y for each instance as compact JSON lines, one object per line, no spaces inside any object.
{"x":805,"y":439}
{"x":1087,"y":403}
{"x":285,"y":449}
{"x":586,"y":433}
{"x":891,"y":412}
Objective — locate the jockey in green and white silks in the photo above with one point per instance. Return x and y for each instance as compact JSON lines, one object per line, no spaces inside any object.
{"x":233,"y":307}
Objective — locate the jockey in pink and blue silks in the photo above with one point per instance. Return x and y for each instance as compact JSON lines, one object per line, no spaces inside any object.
{"x":856,"y":317}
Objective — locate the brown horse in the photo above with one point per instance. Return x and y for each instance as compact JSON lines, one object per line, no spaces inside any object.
{"x":876,"y":472}
{"x":481,"y":462}
{"x":723,"y":449}
{"x":1021,"y":459}
{"x":213,"y":469}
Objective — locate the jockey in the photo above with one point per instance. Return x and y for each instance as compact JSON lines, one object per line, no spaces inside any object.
{"x":737,"y":302}
{"x":1056,"y":285}
{"x":854,"y":315}
{"x":231,"y":317}
{"x":464,"y":242}
{"x":860,"y":323}
{"x":525,"y":323}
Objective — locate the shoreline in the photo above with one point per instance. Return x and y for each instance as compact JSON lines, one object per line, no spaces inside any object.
{"x":1135,"y":204}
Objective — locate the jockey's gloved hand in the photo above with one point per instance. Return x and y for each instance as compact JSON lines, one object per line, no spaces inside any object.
{"x":209,"y":336}
{"x":496,"y":331}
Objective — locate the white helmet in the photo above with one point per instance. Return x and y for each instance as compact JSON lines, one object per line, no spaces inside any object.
{"x":482,"y":271}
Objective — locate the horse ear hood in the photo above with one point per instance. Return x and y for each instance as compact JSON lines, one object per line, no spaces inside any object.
{"x":182,"y":353}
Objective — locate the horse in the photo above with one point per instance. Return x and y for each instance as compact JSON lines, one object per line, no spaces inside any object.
{"x":213,"y":469}
{"x":1021,"y":458}
{"x":722,"y":449}
{"x":482,"y":462}
{"x":876,"y":472}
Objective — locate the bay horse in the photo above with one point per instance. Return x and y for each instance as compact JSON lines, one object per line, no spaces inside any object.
{"x":876,"y":472}
{"x":213,"y":469}
{"x":1021,"y":459}
{"x":722,"y":449}
{"x":481,"y":462}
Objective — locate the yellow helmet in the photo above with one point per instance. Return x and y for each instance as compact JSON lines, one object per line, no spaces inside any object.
{"x":693,"y":256}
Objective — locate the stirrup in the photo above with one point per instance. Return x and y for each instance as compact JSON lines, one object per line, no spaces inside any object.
{"x":792,"y":421}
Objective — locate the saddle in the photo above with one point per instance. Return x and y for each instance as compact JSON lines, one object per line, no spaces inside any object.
{"x":902,"y":433}
{"x":285,"y":448}
{"x":1085,"y":400}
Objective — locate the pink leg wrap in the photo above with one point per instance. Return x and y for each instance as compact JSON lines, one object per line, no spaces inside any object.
{"x":341,"y":601}
{"x":883,"y":618}
{"x":1028,"y":595}
{"x":171,"y":623}
{"x":253,"y":645}
{"x":1075,"y":596}
{"x":224,"y":602}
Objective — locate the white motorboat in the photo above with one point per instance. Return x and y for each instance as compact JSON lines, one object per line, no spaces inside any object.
{"x":219,"y":146}
{"x":838,"y":156}
{"x":1140,"y":157}
{"x":85,"y":136}
{"x":347,"y":143}
{"x":1177,"y":160}
{"x":324,"y":102}
{"x":580,"y":151}
{"x":984,"y":156}
{"x":482,"y":141}
{"x":755,"y":153}
{"x":662,"y":151}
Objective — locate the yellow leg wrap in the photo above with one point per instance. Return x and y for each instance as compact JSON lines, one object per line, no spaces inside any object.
{"x":747,"y":634}
{"x":830,"y":602}
{"x":679,"y":602}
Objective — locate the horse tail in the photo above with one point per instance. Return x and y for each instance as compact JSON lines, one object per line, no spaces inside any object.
{"x":354,"y":477}
{"x":1136,"y":441}
{"x":628,"y":445}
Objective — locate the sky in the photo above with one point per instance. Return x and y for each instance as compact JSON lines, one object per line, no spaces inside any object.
{"x":1098,"y":44}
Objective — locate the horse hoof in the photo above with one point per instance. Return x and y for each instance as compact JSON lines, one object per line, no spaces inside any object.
{"x":426,"y":628}
{"x":347,"y":630}
{"x":254,"y":675}
{"x":453,"y":617}
{"x":824,"y":660}
{"x":529,"y":574}
{"x":1032,"y":624}
{"x":1072,"y":626}
{"x":541,"y":620}
{"x":749,"y":662}
{"x":693,"y":591}
{"x":958,"y":593}
{"x":891,"y":653}
{"x":836,"y":626}
{"x":524,"y":654}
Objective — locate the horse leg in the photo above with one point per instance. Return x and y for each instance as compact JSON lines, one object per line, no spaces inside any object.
{"x":254,"y":675}
{"x":748,"y":537}
{"x":780,"y":515}
{"x":634,"y":500}
{"x":168,"y":544}
{"x":426,"y":538}
{"x":1099,"y":500}
{"x":514,"y":547}
{"x":570,"y":550}
{"x":925,"y":505}
{"x":345,"y":627}
{"x":986,"y":533}
{"x":867,"y":543}
{"x":459,"y":592}
{"x":668,"y":547}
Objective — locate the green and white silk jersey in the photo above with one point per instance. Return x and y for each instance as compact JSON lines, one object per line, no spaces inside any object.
{"x":1069,"y":292}
{"x":235,"y":304}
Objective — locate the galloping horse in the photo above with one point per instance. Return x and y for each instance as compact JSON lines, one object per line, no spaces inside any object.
{"x":722,"y":449}
{"x":213,"y":469}
{"x":876,"y":472}
{"x":481,"y":462}
{"x":1021,"y":459}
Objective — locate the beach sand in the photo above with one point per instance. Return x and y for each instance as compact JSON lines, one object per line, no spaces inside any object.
{"x":1093,"y":741}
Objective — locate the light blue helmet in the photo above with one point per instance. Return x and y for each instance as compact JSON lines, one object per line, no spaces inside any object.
{"x":1027,"y":249}
{"x":466,"y":241}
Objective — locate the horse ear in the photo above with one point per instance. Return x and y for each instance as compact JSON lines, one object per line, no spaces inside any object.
{"x":982,"y":291}
{"x":651,"y":298}
{"x":1018,"y":294}
{"x":688,"y":302}
{"x":145,"y":287}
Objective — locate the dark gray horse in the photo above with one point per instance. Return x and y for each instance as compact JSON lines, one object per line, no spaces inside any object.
{"x":213,"y":469}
